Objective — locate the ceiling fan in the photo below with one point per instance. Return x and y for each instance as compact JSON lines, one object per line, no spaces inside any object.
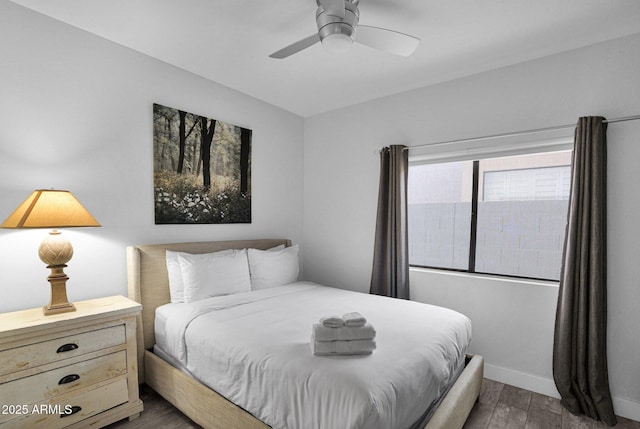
{"x":338,"y":28}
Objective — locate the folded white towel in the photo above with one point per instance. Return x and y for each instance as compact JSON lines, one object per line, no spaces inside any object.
{"x":332,"y":321}
{"x":323,"y":333}
{"x":354,"y":347}
{"x":354,"y":319}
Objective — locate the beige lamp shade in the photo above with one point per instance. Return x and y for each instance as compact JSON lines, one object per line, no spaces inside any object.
{"x":48,"y":208}
{"x":53,"y":209}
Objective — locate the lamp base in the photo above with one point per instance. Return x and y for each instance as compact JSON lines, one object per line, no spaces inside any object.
{"x":59,"y":302}
{"x":48,"y":310}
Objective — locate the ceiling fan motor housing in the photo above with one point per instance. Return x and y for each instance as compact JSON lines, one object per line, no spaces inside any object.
{"x":337,"y":22}
{"x":330,"y":24}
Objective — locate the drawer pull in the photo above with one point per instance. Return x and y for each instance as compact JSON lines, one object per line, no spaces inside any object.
{"x":67,"y":347}
{"x":69,"y":379}
{"x":74,"y":410}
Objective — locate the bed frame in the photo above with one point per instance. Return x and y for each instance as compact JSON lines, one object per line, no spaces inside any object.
{"x":148,"y":284}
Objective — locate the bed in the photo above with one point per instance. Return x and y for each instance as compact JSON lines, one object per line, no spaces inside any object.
{"x":148,"y":284}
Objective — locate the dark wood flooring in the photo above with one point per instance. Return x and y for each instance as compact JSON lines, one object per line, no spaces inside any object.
{"x":500,"y":407}
{"x":503,"y":406}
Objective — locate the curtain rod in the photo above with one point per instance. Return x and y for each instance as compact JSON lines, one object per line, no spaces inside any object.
{"x":519,"y":133}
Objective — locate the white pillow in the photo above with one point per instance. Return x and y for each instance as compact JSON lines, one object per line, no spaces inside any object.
{"x":270,"y":268}
{"x":212,"y":274}
{"x":176,"y":286}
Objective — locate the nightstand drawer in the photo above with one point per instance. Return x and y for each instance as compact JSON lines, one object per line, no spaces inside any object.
{"x":59,"y":381}
{"x":81,"y":364}
{"x":48,"y":414}
{"x":32,"y":355}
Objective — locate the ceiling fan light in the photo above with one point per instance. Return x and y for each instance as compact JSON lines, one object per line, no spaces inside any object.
{"x":337,"y":43}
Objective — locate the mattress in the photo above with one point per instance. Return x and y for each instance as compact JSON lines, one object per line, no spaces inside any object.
{"x":254,"y":349}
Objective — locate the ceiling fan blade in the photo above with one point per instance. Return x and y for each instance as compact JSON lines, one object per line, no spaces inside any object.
{"x":390,"y":41}
{"x":333,"y":7}
{"x":296,"y":47}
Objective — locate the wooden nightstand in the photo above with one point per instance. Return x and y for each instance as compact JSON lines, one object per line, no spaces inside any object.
{"x":75,"y":369}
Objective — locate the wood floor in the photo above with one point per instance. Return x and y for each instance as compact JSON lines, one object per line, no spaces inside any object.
{"x":500,"y":407}
{"x":503,"y":406}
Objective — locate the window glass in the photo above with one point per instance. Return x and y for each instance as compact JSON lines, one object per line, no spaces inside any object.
{"x":522,"y":213}
{"x":440,"y":214}
{"x":520,"y":221}
{"x":550,"y":183}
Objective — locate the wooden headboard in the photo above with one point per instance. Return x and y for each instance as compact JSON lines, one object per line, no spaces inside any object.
{"x":148,"y":281}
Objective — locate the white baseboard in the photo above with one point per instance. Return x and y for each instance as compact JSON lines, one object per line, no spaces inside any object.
{"x":521,"y":379}
{"x":627,"y":408}
{"x":623,"y":407}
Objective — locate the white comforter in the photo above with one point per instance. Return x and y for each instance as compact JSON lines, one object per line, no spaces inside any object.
{"x":254,"y":349}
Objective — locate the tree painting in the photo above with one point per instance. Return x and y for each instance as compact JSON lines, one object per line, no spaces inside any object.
{"x":202,"y":169}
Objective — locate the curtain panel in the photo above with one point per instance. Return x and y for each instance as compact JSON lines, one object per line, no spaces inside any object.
{"x":580,"y":349}
{"x":390,"y":273}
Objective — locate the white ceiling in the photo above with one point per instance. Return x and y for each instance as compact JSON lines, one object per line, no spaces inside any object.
{"x":229,"y":41}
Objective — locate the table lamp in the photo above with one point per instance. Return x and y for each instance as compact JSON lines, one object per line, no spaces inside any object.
{"x":48,"y":208}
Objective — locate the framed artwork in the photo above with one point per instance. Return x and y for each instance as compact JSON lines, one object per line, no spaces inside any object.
{"x":201,"y":169}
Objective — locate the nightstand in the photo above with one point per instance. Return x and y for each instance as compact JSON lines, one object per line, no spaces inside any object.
{"x":70,"y":370}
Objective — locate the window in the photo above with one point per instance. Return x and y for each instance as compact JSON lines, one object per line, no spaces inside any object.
{"x":518,"y":224}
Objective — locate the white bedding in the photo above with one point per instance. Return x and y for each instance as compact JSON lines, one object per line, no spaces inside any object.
{"x":253,"y":348}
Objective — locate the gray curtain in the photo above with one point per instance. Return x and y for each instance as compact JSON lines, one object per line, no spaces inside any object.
{"x":580,"y":347}
{"x":390,"y":274}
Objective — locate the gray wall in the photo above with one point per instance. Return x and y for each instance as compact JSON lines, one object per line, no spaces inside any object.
{"x":76,"y":113}
{"x":512,"y":320}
